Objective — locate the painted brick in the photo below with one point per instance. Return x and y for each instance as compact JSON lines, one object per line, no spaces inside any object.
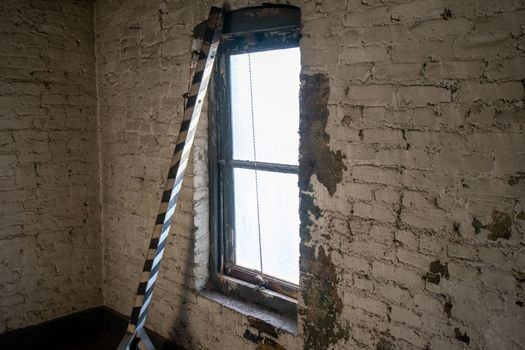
{"x":425,"y":108}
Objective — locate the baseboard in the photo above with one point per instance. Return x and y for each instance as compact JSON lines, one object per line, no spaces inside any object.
{"x":68,"y":332}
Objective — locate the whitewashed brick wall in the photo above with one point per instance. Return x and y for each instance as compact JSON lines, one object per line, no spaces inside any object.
{"x":50,"y":256}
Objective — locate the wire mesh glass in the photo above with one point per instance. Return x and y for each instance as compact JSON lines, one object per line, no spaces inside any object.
{"x":279,"y":216}
{"x":275,"y":91}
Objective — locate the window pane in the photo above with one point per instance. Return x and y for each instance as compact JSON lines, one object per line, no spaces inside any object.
{"x":279,"y":213}
{"x":275,"y":84}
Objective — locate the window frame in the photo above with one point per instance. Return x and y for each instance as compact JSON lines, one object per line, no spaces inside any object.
{"x":225,"y":277}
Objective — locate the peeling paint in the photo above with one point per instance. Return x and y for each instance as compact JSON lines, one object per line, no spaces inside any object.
{"x":463,"y":337}
{"x":268,"y":344}
{"x":515,"y":179}
{"x":500,"y":226}
{"x":447,"y":308}
{"x":321,"y":327}
{"x":262,"y":326}
{"x":477,"y":225}
{"x":263,"y":343}
{"x":316,"y":156}
{"x":307,"y":208}
{"x":436,"y":272}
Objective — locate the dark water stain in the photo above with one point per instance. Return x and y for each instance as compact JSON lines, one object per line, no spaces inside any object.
{"x":447,"y":308}
{"x":477,"y":225}
{"x":315,"y":154}
{"x":323,"y":304}
{"x":515,"y":179}
{"x":436,"y":271}
{"x":463,"y":337}
{"x":500,"y":226}
{"x":521,"y":215}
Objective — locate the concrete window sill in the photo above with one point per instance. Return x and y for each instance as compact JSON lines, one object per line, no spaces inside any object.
{"x":265,"y":320}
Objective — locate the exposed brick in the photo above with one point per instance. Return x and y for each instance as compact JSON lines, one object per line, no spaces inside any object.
{"x":421,"y":95}
{"x":50,"y":244}
{"x":511,"y":68}
{"x":489,"y":92}
{"x":371,"y":95}
{"x":453,"y":70}
{"x":425,"y":107}
{"x":440,"y":28}
{"x":481,"y":47}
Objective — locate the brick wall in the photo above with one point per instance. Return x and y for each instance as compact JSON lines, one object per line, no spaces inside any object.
{"x":50,"y":257}
{"x":412,"y":236}
{"x":412,"y":173}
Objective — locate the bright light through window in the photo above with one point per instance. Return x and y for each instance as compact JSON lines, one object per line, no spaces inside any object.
{"x":274,"y":92}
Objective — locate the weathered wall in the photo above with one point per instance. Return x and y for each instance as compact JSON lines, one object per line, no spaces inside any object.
{"x":412,"y":172}
{"x":50,"y":256}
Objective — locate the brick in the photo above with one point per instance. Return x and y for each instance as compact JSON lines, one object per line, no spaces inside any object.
{"x":419,"y":9}
{"x":466,"y":274}
{"x":492,"y":255}
{"x":511,"y":68}
{"x":422,"y":102}
{"x":421,"y":95}
{"x":367,"y":17}
{"x":420,"y":51}
{"x":401,"y":72}
{"x":382,"y":271}
{"x":509,"y":22}
{"x":453,"y":70}
{"x":385,"y":34}
{"x":502,"y":142}
{"x":387,"y":195}
{"x":428,"y":304}
{"x":489,"y":92}
{"x":439,"y":28}
{"x":460,"y":251}
{"x":376,"y":211}
{"x":371,"y":95}
{"x":370,"y":305}
{"x":481,"y":47}
{"x":450,"y":161}
{"x":405,"y":316}
{"x":498,"y":281}
{"x":383,"y":136}
{"x":408,"y":335}
{"x":407,"y":238}
{"x":377,"y":175}
{"x":372,"y":53}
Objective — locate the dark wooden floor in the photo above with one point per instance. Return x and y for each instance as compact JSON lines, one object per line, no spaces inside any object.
{"x":95,"y":329}
{"x":102,"y":341}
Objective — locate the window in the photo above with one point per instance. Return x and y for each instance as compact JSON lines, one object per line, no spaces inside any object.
{"x":254,"y":143}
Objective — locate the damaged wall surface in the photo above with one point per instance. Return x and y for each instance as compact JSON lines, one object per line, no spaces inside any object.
{"x":50,"y":258}
{"x":412,"y":171}
{"x":411,"y":158}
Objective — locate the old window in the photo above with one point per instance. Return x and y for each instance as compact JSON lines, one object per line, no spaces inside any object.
{"x":254,"y":121}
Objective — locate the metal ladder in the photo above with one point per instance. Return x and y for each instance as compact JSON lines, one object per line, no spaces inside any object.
{"x":136,"y":336}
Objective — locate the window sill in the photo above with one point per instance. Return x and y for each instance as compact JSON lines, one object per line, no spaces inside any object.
{"x":259,"y":317}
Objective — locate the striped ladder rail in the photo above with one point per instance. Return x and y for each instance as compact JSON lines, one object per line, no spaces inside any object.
{"x":136,"y":336}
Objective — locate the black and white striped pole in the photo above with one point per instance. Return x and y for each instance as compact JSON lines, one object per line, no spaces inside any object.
{"x":136,"y":336}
